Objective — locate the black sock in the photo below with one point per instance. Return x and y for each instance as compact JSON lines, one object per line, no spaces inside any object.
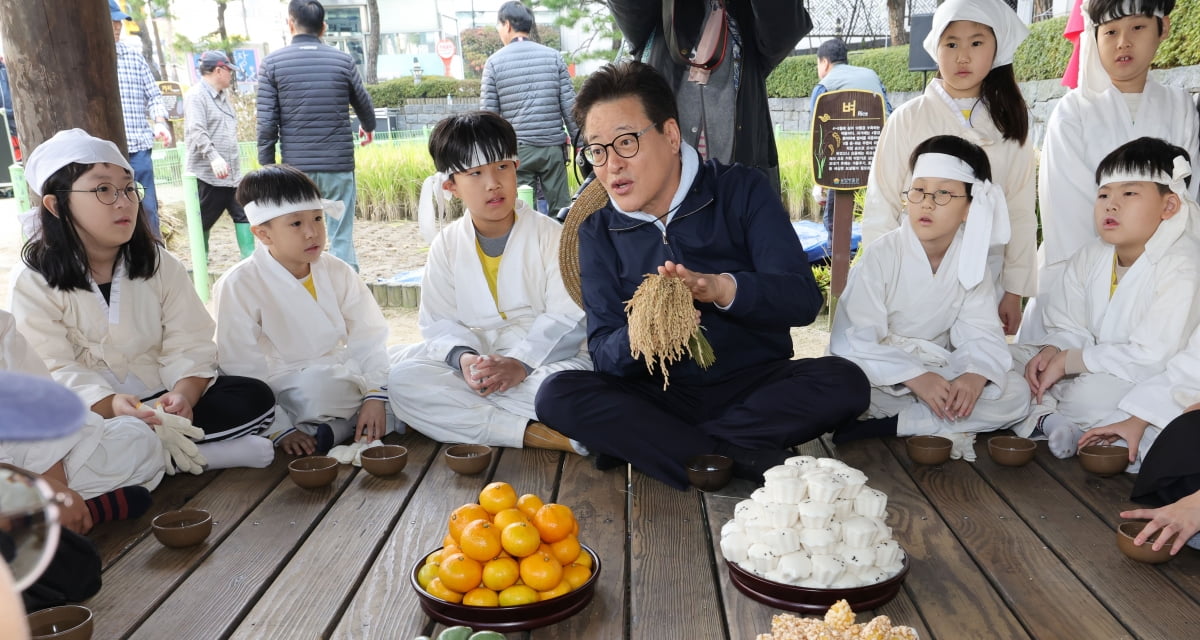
{"x":125,"y":503}
{"x":751,"y":463}
{"x":863,"y":429}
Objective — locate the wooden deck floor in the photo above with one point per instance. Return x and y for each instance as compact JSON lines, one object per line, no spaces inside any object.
{"x":995,"y":553}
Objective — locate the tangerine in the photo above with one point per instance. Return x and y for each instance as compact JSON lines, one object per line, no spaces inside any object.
{"x":576,"y":574}
{"x":541,"y":571}
{"x":500,"y":574}
{"x":520,"y":539}
{"x":561,"y":589}
{"x":566,"y":550}
{"x":480,"y":540}
{"x":529,"y":504}
{"x":426,"y":574}
{"x":481,"y":597}
{"x":518,"y":594}
{"x":497,"y":497}
{"x":554,"y":522}
{"x":507,"y":517}
{"x":438,"y":589}
{"x":465,"y":515}
{"x":460,"y":573}
{"x":584,"y":560}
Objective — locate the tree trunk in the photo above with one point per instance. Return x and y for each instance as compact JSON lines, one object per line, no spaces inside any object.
{"x":162,"y":62}
{"x":222,"y":5}
{"x":147,"y":48}
{"x":373,"y":40}
{"x":896,"y":30}
{"x":63,"y":70}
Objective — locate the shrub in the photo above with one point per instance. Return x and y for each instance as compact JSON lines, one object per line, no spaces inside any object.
{"x":394,"y":93}
{"x":1045,"y":53}
{"x":1182,"y":46}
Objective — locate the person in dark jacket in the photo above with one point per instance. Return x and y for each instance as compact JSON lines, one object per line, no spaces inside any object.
{"x":720,"y":82}
{"x":721,"y":230}
{"x":303,"y":90}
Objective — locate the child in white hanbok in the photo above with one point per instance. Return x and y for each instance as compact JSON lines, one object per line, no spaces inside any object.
{"x":1115,"y":102}
{"x":303,"y":320}
{"x":114,"y":316}
{"x":1125,"y":304}
{"x":494,"y":314}
{"x":918,"y":315}
{"x":975,"y":97}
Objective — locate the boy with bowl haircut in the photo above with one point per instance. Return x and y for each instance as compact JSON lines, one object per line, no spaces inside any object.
{"x":494,"y":313}
{"x":302,"y":320}
{"x":918,"y":315}
{"x":1125,"y":303}
{"x":1116,"y":101}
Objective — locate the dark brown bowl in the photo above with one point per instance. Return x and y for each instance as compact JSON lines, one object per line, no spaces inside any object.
{"x":1104,"y":459}
{"x":385,"y":460}
{"x":68,"y":622}
{"x":809,"y":600}
{"x":1011,"y":451}
{"x":313,"y":472}
{"x":1128,"y":531}
{"x":183,"y":528}
{"x":710,"y":472}
{"x":928,"y":449}
{"x":468,"y":459}
{"x":508,"y":619}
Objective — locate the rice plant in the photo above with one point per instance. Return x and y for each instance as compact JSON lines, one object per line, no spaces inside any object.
{"x":796,"y":175}
{"x":389,"y":174}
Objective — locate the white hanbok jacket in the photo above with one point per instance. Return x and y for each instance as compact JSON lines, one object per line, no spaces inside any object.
{"x":1012,"y":169}
{"x":333,"y":347}
{"x":1164,"y":397}
{"x":151,"y":334}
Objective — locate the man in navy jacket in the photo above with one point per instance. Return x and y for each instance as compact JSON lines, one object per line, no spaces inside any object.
{"x":725,"y":233}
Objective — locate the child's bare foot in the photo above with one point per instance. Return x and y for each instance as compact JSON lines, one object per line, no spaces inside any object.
{"x":298,"y":443}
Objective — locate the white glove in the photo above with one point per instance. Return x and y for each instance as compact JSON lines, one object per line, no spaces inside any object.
{"x":220,"y":167}
{"x":962,"y":446}
{"x":352,"y":453}
{"x":179,"y":451}
{"x":819,"y":194}
{"x":162,"y":132}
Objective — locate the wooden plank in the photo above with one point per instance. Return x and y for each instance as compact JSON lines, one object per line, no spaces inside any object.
{"x":745,"y":616}
{"x":955,"y":600}
{"x":144,"y":577}
{"x":114,"y":539}
{"x":1030,"y":578}
{"x":340,"y":547}
{"x":221,"y":590}
{"x":1145,"y":601}
{"x":670,"y":563}
{"x":599,"y":500}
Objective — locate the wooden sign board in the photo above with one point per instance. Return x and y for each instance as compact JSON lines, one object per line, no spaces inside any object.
{"x":845,"y":129}
{"x":172,"y":98}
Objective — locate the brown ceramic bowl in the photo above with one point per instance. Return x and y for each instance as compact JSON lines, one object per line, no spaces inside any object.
{"x":710,"y":472}
{"x":313,"y":472}
{"x":809,"y":600}
{"x":928,"y":449}
{"x":508,"y":619}
{"x":68,"y":622}
{"x":385,"y":460}
{"x":1128,"y":531}
{"x":468,"y":459}
{"x":1104,"y":459}
{"x":183,"y":528}
{"x":1011,"y":451}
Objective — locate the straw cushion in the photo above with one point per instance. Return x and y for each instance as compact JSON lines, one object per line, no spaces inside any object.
{"x":590,"y":200}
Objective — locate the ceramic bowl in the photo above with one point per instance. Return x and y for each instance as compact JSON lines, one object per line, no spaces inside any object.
{"x":928,"y":449}
{"x":182,"y":528}
{"x":313,"y":472}
{"x":1104,"y":459}
{"x":810,"y":600}
{"x":508,"y":619}
{"x":68,"y":622}
{"x":710,"y":472}
{"x":1128,"y":531}
{"x":1011,"y":451}
{"x":385,"y":460}
{"x":468,"y":459}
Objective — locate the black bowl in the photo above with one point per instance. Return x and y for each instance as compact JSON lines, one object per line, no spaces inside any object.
{"x":710,"y":472}
{"x":507,"y":619}
{"x":817,"y":601}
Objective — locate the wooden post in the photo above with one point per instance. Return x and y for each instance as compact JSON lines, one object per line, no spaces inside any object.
{"x":63,"y":69}
{"x":843,"y":215}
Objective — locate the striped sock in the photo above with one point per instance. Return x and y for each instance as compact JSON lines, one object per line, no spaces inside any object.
{"x":119,"y":504}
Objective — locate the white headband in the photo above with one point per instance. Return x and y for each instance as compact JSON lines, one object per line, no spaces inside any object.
{"x":987,"y":219}
{"x":67,"y":147}
{"x":258,"y":212}
{"x":478,"y":159}
{"x":1124,"y":10}
{"x":1010,"y":32}
{"x":1170,"y":229}
{"x":1092,"y":76}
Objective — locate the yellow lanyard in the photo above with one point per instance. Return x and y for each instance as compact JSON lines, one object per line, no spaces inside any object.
{"x":1113,"y":288}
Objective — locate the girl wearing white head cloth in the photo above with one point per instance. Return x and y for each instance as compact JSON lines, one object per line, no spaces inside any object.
{"x":1124,"y":307}
{"x":976,"y":97}
{"x":114,"y":316}
{"x":919,"y":313}
{"x":1116,"y":101}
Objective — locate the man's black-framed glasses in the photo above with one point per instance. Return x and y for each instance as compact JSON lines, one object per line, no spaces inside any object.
{"x":625,"y":145}
{"x":941,"y":197}
{"x":107,"y":193}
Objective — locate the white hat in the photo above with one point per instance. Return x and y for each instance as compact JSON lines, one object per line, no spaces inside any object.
{"x":66,"y":147}
{"x":33,"y":408}
{"x":1010,"y":31}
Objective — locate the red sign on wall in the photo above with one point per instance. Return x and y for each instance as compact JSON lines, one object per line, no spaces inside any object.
{"x":445,"y":48}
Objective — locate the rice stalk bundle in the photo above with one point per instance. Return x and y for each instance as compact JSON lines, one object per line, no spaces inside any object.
{"x":662,"y":325}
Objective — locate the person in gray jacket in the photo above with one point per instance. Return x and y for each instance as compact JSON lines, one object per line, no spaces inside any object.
{"x":527,"y":84}
{"x":303,"y":90}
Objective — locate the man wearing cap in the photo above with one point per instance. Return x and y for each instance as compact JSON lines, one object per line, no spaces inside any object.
{"x":835,"y":75}
{"x":303,"y":90}
{"x":210,"y":128}
{"x":140,"y":98}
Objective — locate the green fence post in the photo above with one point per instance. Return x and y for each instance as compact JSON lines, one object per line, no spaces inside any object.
{"x":20,"y":191}
{"x":525,"y":192}
{"x":191,"y":202}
